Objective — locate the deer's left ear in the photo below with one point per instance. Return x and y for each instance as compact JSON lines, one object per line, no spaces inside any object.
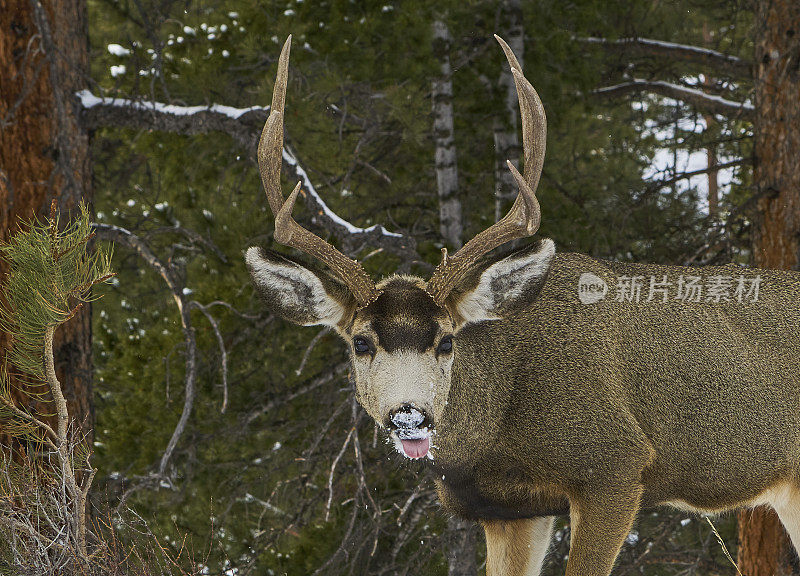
{"x":494,"y":289}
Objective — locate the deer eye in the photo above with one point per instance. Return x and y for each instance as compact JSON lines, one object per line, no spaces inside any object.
{"x":446,"y":344}
{"x":361,"y":345}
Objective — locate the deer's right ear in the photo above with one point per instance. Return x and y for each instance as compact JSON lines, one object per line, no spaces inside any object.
{"x":495,"y":288}
{"x":296,"y":293}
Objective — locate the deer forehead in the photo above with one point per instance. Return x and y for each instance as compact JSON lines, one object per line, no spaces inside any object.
{"x":403,"y":317}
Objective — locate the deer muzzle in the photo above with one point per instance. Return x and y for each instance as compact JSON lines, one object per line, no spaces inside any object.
{"x":412,"y":426}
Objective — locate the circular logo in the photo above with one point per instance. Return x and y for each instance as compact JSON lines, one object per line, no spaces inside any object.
{"x":591,"y":288}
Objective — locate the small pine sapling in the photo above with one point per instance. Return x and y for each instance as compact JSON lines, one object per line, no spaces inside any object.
{"x":43,"y":498}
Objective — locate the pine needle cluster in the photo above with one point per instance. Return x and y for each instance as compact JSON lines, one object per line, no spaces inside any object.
{"x":51,"y":274}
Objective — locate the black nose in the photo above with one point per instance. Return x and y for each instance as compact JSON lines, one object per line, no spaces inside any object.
{"x":408,"y":417}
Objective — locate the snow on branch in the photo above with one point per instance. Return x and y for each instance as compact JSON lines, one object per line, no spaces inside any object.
{"x":240,"y":123}
{"x":323,"y":210}
{"x":244,"y":126}
{"x":698,"y":98}
{"x":718,"y":61}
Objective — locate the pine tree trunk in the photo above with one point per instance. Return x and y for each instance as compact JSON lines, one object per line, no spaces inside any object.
{"x":44,"y":152}
{"x":450,"y":223}
{"x":777,"y":134}
{"x":506,"y":142}
{"x":764,"y":549}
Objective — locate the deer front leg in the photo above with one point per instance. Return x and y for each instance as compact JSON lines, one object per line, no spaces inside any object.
{"x":600,"y":523}
{"x":517,"y":547}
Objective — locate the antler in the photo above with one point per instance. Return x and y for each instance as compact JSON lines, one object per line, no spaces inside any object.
{"x":524,"y":217}
{"x":287,"y":231}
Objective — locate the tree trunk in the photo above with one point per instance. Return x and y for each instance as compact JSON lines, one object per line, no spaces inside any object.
{"x":44,"y":153}
{"x":711,"y":151}
{"x":777,"y":134}
{"x":460,"y":535}
{"x":460,"y":548}
{"x":506,"y":142}
{"x":764,"y":549}
{"x":450,"y":223}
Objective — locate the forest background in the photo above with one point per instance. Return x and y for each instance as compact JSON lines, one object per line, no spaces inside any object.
{"x":235,"y":435}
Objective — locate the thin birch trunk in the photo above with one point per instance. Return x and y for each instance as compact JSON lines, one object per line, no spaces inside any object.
{"x":506,"y":142}
{"x":711,"y":151}
{"x":450,"y":223}
{"x":460,"y":535}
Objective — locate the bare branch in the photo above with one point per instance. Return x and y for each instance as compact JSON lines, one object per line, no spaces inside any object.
{"x":222,"y":351}
{"x":311,"y":346}
{"x":322,"y":215}
{"x":685,"y":175}
{"x":127,"y":238}
{"x":310,"y":387}
{"x":30,"y":418}
{"x":333,"y":469}
{"x":716,"y":61}
{"x":55,"y":385}
{"x":698,"y":98}
{"x":244,"y":126}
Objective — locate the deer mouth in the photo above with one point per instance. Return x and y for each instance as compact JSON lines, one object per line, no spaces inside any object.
{"x":411,"y":432}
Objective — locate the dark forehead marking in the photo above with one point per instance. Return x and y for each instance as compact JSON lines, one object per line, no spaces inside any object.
{"x":404,"y":317}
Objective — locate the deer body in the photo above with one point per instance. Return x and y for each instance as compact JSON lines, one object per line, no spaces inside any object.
{"x":699,"y":402}
{"x":530,"y":401}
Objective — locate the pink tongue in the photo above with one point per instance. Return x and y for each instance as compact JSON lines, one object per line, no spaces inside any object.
{"x":416,"y":448}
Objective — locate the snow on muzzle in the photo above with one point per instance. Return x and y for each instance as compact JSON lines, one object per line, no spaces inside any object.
{"x":412,"y":427}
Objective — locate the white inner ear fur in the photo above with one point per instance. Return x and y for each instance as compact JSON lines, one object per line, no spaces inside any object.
{"x":504,"y":281}
{"x":296,"y":287}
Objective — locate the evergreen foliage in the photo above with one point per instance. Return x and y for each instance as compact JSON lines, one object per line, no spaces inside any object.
{"x":43,"y":488}
{"x":50,"y":277}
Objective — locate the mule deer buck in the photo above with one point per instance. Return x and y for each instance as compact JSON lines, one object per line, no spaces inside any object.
{"x":538,"y":384}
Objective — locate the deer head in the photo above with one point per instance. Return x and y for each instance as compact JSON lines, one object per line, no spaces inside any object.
{"x":403,"y":332}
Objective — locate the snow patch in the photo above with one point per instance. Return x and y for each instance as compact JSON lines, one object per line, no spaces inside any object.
{"x":118,"y":50}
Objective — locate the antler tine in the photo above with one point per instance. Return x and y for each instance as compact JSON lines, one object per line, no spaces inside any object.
{"x":525,"y":215}
{"x":287,"y":231}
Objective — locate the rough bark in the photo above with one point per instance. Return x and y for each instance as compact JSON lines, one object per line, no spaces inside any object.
{"x":450,"y":223}
{"x":764,"y":549}
{"x":506,"y":142}
{"x":777,"y":134}
{"x":44,"y":152}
